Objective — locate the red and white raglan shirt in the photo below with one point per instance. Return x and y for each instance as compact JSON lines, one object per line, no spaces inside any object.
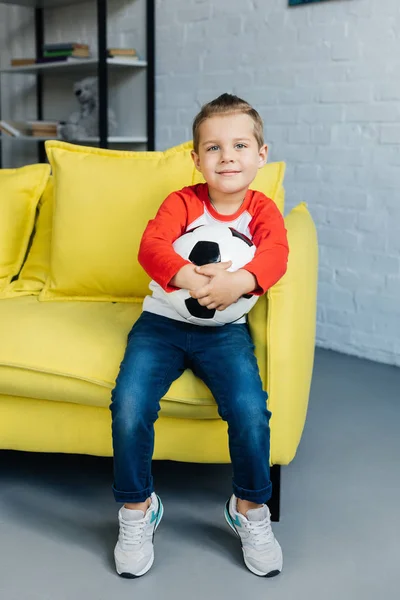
{"x":258,"y":218}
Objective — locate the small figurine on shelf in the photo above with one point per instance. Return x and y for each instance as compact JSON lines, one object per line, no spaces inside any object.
{"x":85,"y":122}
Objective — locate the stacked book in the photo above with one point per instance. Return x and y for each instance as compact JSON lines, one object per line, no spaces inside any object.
{"x":22,"y":62}
{"x":44,"y":129}
{"x":64,"y":51}
{"x":40,"y":129}
{"x":130,"y":53}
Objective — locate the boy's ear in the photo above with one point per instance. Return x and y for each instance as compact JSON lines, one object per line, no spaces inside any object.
{"x":263,"y":153}
{"x":196,"y":160}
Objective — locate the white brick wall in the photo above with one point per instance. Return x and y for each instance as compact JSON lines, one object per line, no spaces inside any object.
{"x":325,"y":78}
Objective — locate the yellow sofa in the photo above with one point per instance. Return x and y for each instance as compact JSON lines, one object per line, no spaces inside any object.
{"x":74,"y":290}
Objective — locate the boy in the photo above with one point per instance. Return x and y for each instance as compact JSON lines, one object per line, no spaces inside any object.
{"x":228,"y":150}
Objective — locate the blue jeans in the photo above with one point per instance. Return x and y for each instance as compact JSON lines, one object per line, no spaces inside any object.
{"x":158,"y":351}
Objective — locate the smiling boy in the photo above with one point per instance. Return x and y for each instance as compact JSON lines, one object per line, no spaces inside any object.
{"x":228,"y":150}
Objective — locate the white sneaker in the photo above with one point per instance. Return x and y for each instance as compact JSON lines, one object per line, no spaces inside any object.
{"x":134,"y":551}
{"x":261,"y":551}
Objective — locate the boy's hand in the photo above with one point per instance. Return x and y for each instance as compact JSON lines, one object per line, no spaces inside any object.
{"x":224,"y":288}
{"x":190,"y":278}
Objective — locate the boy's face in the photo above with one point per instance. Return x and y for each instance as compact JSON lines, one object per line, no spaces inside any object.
{"x":228,"y":154}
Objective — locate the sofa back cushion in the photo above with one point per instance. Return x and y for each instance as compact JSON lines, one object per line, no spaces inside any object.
{"x":103,"y":200}
{"x":20,"y":191}
{"x":35,"y":270}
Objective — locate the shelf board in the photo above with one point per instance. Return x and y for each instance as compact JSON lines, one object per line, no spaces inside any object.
{"x":115,"y":139}
{"x":41,"y":3}
{"x":77,"y":64}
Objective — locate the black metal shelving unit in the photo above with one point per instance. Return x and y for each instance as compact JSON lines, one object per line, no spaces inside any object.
{"x":101,"y":64}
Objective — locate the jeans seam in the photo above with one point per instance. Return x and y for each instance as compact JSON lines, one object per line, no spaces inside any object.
{"x":205,"y":371}
{"x":165,"y":378}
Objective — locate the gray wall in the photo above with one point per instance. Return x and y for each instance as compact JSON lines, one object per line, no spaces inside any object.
{"x":325,"y":78}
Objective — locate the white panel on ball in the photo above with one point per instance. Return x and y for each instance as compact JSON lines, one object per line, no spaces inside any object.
{"x":212,"y":244}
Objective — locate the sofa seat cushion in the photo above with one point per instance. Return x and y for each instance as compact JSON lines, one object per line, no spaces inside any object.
{"x":71,"y":352}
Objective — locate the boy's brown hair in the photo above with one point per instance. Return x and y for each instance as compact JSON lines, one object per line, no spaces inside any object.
{"x":227,"y":104}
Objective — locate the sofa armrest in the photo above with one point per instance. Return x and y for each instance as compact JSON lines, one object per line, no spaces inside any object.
{"x":283,"y":328}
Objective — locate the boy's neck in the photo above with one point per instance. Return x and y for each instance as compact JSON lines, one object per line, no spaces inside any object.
{"x":227,"y":204}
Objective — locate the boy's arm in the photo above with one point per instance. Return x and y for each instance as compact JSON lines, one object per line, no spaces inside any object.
{"x":270,"y":238}
{"x":267,"y":267}
{"x":156,"y":254}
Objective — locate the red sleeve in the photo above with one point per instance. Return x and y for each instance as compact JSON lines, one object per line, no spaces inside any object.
{"x":156,"y":255}
{"x":267,"y":228}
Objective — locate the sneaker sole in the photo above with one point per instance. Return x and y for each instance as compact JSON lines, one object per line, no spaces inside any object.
{"x":228,"y":519}
{"x":126,"y":575}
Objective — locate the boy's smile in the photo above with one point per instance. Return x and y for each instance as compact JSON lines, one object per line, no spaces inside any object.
{"x":228,"y":173}
{"x":229,"y":158}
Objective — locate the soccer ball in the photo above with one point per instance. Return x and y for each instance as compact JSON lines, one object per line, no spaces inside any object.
{"x":212,"y":244}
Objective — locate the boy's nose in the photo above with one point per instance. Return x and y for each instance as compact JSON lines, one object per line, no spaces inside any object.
{"x":226,"y":156}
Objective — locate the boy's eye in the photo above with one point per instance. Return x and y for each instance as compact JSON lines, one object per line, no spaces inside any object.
{"x":240,"y":146}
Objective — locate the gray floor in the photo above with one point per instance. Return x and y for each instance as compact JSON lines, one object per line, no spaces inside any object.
{"x":340,"y":525}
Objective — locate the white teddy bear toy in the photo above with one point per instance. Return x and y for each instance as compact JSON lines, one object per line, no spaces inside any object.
{"x":85,"y":122}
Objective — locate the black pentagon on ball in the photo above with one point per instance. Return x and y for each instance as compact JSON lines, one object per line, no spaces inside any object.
{"x":197,"y":310}
{"x":204,"y":253}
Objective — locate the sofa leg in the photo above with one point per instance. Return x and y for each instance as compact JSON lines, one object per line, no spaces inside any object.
{"x":274,"y":502}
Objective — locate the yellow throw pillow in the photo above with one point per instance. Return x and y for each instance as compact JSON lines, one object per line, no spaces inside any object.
{"x":269,"y":181}
{"x":34,"y":273}
{"x":103,"y":200}
{"x":20,"y":191}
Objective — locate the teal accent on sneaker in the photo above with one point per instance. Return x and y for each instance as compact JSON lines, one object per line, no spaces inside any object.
{"x":153,"y":516}
{"x":236,"y":521}
{"x":230,"y":520}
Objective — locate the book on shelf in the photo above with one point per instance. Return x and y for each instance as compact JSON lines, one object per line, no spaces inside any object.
{"x":21,"y":62}
{"x":29,"y":128}
{"x":43,"y":128}
{"x":44,"y":134}
{"x":46,"y":128}
{"x":128,"y":52}
{"x":64,"y":46}
{"x":78,"y":53}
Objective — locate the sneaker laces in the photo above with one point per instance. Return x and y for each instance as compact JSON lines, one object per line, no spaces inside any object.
{"x":131,"y":532}
{"x":261,"y":532}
